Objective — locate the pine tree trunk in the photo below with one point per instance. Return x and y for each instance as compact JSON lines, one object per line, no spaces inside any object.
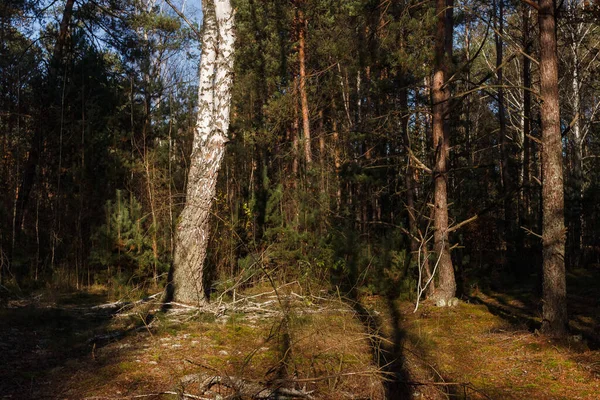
{"x":441,"y":142}
{"x":302,"y":27}
{"x":216,"y":73}
{"x":554,"y":320}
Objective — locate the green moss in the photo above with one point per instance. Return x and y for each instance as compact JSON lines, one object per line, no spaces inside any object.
{"x":126,"y":366}
{"x":530,"y":386}
{"x":533,"y":347}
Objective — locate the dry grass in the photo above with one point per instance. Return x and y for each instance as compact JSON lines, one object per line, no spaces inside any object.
{"x":317,"y":344}
{"x":468,"y":344}
{"x":324,"y":352}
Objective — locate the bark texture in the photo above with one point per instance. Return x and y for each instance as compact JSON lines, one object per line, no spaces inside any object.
{"x":216,"y":76}
{"x":441,"y":142}
{"x":553,"y":230}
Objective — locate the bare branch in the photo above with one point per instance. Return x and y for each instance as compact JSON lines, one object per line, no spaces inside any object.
{"x":418,"y":162}
{"x":531,"y":4}
{"x":463,"y":223}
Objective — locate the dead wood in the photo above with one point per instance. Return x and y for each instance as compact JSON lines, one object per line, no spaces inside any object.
{"x":244,"y":388}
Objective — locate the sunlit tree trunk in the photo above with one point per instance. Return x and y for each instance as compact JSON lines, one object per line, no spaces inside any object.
{"x":554,"y":320}
{"x":210,"y":136}
{"x":302,"y":28}
{"x":441,"y":142}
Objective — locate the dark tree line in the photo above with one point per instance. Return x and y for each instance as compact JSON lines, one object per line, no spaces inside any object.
{"x":388,"y":146}
{"x":96,"y":108}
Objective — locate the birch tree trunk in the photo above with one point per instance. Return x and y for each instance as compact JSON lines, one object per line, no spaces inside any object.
{"x":216,"y":78}
{"x":554,"y":320}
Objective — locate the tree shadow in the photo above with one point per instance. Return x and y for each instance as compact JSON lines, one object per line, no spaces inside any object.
{"x":521,"y":306}
{"x":36,"y":339}
{"x":518,"y":317}
{"x":387,"y":349}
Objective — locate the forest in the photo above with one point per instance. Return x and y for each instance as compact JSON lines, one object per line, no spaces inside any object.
{"x":299,"y":199}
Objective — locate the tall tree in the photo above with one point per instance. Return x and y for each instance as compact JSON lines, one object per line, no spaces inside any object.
{"x":553,"y":229}
{"x":302,"y":30}
{"x":210,"y":137}
{"x":507,"y":175}
{"x":526,"y":73}
{"x":441,"y":143}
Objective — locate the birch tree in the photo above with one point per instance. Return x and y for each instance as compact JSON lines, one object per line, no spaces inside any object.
{"x":210,"y":137}
{"x":580,"y":37}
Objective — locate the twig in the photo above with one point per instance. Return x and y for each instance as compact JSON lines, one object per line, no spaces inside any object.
{"x":529,"y":231}
{"x":463,"y":223}
{"x":182,"y":16}
{"x":419,"y":290}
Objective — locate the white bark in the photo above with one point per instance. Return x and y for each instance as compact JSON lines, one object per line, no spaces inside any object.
{"x":216,"y":78}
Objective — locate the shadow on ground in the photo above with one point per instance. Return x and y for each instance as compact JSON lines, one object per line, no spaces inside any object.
{"x":521,"y":305}
{"x":38,"y":338}
{"x":386,"y":348}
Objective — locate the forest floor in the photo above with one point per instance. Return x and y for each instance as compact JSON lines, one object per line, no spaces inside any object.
{"x":290,"y":344}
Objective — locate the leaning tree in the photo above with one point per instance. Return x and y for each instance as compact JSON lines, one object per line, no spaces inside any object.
{"x":210,"y":137}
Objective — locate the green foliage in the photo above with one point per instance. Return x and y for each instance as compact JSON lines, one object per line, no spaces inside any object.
{"x":123,"y":243}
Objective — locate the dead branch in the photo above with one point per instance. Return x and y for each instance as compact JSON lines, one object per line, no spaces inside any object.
{"x":463,"y":223}
{"x":122,"y":305}
{"x":418,"y":163}
{"x":244,"y":388}
{"x":142,"y":396}
{"x":529,"y":231}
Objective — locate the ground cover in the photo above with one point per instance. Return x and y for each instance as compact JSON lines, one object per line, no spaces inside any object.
{"x":290,"y":344}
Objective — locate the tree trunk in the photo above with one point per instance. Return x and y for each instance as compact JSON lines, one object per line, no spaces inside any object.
{"x":577,"y":166}
{"x":216,"y":76}
{"x":441,"y":142}
{"x":302,"y":27}
{"x":506,"y":171}
{"x":526,"y":195}
{"x":410,"y":171}
{"x":554,"y":320}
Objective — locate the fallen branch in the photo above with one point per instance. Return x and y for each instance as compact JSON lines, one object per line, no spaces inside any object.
{"x":141,"y":396}
{"x":122,"y":305}
{"x":244,"y":388}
